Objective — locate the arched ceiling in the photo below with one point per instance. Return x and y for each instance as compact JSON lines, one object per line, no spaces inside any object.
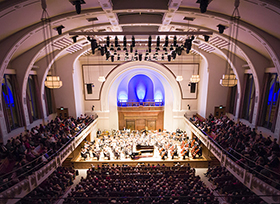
{"x":259,"y":19}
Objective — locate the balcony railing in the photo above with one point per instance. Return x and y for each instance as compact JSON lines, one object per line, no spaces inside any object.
{"x":36,"y":175}
{"x":244,"y":173}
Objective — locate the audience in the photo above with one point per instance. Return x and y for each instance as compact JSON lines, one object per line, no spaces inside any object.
{"x":260,"y":154}
{"x":228,"y":185}
{"x":31,"y":149}
{"x":141,"y":184}
{"x":52,"y":188}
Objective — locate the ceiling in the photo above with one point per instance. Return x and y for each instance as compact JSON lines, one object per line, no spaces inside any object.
{"x":259,"y":18}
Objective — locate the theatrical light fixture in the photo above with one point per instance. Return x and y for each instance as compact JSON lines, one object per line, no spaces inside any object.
{"x":77,"y":4}
{"x":171,"y":47}
{"x":93,"y":44}
{"x":188,"y":44}
{"x":112,"y":58}
{"x":166,"y":41}
{"x":119,"y":48}
{"x":115,"y":52}
{"x":107,"y":55}
{"x":140,"y":57}
{"x":116,"y":41}
{"x":175,"y":41}
{"x":108,"y":41}
{"x":133,"y":41}
{"x":59,"y":29}
{"x":162,"y":57}
{"x":74,"y":38}
{"x":158,"y":42}
{"x":221,"y":28}
{"x":118,"y":57}
{"x":203,"y":5}
{"x":124,"y":42}
{"x":169,"y":58}
{"x":112,"y":47}
{"x":206,"y":38}
{"x":150,"y":41}
{"x":102,"y":51}
{"x":131,"y":48}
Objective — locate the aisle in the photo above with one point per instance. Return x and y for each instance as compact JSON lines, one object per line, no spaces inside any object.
{"x":204,"y":179}
{"x":82,"y":173}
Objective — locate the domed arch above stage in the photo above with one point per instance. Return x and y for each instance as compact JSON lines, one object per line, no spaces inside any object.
{"x":123,"y":74}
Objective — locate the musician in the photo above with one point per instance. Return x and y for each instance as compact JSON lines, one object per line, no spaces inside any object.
{"x":84,"y":153}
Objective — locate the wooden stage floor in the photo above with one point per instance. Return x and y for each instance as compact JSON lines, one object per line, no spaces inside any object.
{"x":80,"y":163}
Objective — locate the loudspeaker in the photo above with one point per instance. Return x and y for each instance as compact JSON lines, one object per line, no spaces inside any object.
{"x":89,"y":88}
{"x":193,"y":85}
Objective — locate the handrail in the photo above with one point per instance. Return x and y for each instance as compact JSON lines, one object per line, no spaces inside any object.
{"x":274,"y":172}
{"x":23,"y":165}
{"x":230,"y":155}
{"x":50,"y":157}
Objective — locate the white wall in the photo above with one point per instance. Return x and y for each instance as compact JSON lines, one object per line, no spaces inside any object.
{"x":78,"y":88}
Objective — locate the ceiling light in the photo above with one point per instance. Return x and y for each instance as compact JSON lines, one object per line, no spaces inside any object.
{"x":166,"y":41}
{"x":133,"y":41}
{"x":116,"y":41}
{"x":59,"y":29}
{"x":203,"y":5}
{"x":206,"y":38}
{"x":77,"y":4}
{"x":221,"y":28}
{"x":74,"y":38}
{"x":101,"y":79}
{"x":158,"y":41}
{"x":108,"y":41}
{"x":124,"y":41}
{"x":175,"y":41}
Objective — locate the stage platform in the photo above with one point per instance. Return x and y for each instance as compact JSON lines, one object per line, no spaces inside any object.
{"x":80,"y":163}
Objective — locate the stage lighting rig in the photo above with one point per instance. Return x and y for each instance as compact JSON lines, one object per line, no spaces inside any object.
{"x":77,"y":4}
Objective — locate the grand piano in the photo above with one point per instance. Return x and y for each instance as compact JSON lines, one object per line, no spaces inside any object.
{"x":143,"y":151}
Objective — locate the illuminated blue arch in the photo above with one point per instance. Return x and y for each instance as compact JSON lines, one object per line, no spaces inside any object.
{"x":141,"y":88}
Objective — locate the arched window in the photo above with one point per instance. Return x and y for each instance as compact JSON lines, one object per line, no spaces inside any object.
{"x":10,"y":102}
{"x":32,"y":98}
{"x":271,"y":102}
{"x":249,"y":98}
{"x":49,"y":99}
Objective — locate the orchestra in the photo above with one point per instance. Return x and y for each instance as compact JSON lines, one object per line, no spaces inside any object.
{"x":126,"y":144}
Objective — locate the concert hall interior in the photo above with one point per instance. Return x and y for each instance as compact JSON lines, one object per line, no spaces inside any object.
{"x":139,"y":101}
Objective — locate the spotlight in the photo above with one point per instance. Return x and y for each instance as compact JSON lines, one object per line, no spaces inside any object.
{"x":74,"y":39}
{"x":171,"y":47}
{"x":166,"y":52}
{"x":150,"y":49}
{"x":147,"y":52}
{"x":131,"y":48}
{"x":175,"y":41}
{"x":178,"y":50}
{"x":133,"y":41}
{"x":162,"y":57}
{"x":112,"y":58}
{"x":136,"y":52}
{"x":116,"y":41}
{"x":192,"y":38}
{"x":108,"y":41}
{"x":188,"y":44}
{"x":119,"y":48}
{"x":169,"y":58}
{"x":166,"y":41}
{"x":187,"y":51}
{"x":146,"y":58}
{"x":124,"y":41}
{"x":221,"y":28}
{"x":105,"y":49}
{"x":77,"y":4}
{"x":112,"y":47}
{"x":107,"y":55}
{"x":59,"y":29}
{"x":93,"y":45}
{"x":102,"y":51}
{"x":126,"y":53}
{"x":158,"y":41}
{"x":119,"y":57}
{"x":125,"y":49}
{"x":173,"y":54}
{"x":115,"y":52}
{"x":150,"y":41}
{"x":140,"y":57}
{"x":164,"y":48}
{"x":203,"y":6}
{"x":206,"y":38}
{"x":88,"y":38}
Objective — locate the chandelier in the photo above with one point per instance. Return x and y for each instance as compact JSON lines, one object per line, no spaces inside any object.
{"x":229,"y":79}
{"x":195,"y":77}
{"x":52,"y":81}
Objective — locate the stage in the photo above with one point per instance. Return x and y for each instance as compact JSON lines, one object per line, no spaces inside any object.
{"x":201,"y":162}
